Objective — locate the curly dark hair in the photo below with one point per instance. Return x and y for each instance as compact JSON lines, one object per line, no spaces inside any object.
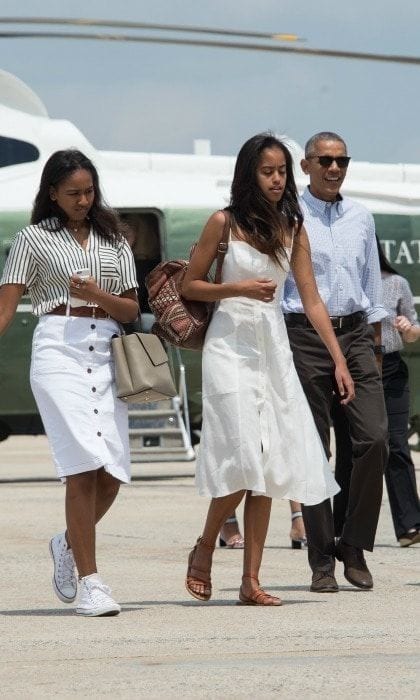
{"x":259,"y":220}
{"x":59,"y":166}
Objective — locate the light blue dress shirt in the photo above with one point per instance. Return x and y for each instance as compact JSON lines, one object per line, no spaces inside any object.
{"x":344,"y":257}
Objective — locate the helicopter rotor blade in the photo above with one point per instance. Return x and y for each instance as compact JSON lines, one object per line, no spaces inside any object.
{"x":247,"y":46}
{"x":120,"y":24}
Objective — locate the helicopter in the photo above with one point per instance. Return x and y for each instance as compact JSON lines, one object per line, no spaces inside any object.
{"x":166,"y":199}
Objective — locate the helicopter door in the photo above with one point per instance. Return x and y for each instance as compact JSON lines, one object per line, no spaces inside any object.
{"x":143,"y":232}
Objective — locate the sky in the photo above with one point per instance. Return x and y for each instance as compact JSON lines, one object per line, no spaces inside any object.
{"x":140,"y":97}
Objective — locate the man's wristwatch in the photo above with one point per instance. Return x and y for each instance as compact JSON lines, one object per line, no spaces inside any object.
{"x":379,"y":349}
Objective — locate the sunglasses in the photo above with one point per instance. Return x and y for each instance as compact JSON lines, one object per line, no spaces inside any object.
{"x":327,"y":161}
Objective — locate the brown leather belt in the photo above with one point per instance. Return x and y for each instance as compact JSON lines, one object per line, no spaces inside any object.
{"x":86,"y":311}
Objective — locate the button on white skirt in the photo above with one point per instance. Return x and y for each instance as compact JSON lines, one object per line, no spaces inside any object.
{"x":72,"y":379}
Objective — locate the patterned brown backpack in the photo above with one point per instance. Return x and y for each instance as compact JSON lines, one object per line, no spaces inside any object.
{"x":182,"y":322}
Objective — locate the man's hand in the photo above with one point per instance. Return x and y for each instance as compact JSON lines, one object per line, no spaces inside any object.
{"x":345,"y":384}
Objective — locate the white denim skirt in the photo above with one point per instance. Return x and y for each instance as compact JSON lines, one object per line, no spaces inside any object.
{"x":72,"y":379}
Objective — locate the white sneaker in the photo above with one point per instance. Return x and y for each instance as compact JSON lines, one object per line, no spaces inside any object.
{"x":64,"y":580}
{"x":95,"y":599}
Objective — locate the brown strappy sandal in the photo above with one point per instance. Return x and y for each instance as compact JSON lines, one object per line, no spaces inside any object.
{"x":195,"y":575}
{"x":257,"y":597}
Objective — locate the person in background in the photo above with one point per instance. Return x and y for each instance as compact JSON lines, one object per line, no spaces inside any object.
{"x":258,"y":437}
{"x":345,"y":260}
{"x":401,"y":326}
{"x":230,"y":534}
{"x":234,"y":539}
{"x":81,"y":279}
{"x":297,"y":531}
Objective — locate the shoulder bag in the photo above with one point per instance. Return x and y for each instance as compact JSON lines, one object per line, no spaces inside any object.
{"x":142,"y":371}
{"x":182,"y":322}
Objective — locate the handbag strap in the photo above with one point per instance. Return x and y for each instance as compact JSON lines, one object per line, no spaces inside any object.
{"x":222,"y":247}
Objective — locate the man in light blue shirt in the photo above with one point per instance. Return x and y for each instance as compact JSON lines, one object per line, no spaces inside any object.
{"x":346,"y":266}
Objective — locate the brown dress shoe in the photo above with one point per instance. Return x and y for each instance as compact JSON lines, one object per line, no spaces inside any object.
{"x":409,"y":538}
{"x":323,"y":582}
{"x":355,"y":568}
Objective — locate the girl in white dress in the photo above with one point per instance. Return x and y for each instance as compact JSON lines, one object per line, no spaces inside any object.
{"x":258,"y":436}
{"x":80,"y":274}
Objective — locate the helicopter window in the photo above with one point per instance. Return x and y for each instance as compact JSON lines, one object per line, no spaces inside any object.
{"x":13,"y":152}
{"x":142,"y":233}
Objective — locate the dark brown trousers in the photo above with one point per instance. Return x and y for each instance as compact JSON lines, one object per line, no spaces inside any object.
{"x":400,"y":476}
{"x":367,"y":419}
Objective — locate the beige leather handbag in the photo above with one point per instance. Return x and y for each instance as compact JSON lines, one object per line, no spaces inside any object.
{"x":142,"y":371}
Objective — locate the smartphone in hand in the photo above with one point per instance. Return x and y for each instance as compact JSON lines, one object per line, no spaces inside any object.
{"x":83,"y":273}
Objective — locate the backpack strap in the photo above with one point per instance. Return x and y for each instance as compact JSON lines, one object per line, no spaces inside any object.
{"x":222,"y":247}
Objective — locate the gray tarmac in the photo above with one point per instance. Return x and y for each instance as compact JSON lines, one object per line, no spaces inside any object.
{"x":354,"y":644}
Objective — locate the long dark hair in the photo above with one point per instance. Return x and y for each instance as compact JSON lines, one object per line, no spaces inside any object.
{"x":59,"y":166}
{"x":384,"y":263}
{"x":253,"y":213}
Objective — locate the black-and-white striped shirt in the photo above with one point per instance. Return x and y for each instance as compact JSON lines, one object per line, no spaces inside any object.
{"x":44,"y":256}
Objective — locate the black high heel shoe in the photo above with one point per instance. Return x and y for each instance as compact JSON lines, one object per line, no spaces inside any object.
{"x":297,"y":542}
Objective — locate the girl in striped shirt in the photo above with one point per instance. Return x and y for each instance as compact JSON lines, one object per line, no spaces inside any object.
{"x":80,"y":274}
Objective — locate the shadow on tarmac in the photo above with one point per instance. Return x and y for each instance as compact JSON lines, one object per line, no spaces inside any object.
{"x":346,"y":589}
{"x":133,"y":606}
{"x":52,"y":480}
{"x":52,"y":612}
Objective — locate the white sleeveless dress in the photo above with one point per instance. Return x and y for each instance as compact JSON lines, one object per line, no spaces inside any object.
{"x":258,"y":432}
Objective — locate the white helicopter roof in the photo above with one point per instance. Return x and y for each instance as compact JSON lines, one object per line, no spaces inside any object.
{"x":134,"y":180}
{"x":17,"y":95}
